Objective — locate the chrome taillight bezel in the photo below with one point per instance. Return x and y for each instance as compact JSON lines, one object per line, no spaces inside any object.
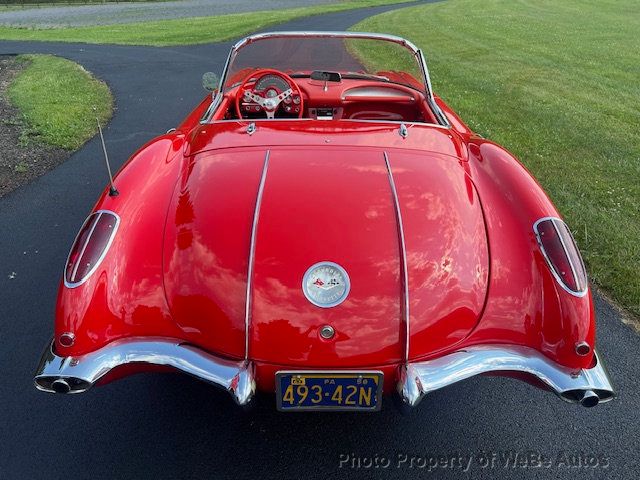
{"x":74,"y":284}
{"x":555,"y":221}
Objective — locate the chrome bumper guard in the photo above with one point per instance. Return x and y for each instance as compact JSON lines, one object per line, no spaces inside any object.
{"x":585,"y":386}
{"x":78,"y":374}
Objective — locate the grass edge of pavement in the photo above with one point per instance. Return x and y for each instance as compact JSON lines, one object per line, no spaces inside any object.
{"x":56,"y":99}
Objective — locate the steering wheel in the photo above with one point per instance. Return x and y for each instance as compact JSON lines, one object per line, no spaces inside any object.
{"x":269,"y":100}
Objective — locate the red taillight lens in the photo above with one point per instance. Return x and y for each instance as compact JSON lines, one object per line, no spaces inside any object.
{"x":90,"y":246}
{"x":562,"y":255}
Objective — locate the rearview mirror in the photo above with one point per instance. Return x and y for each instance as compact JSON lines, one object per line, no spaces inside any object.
{"x":326,"y":76}
{"x":210,"y":81}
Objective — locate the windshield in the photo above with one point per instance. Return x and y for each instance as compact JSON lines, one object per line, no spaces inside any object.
{"x":379,"y":59}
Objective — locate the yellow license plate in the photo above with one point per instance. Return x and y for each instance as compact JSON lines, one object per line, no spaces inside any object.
{"x":313,"y":390}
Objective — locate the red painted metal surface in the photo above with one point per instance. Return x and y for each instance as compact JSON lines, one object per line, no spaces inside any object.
{"x":206,"y":247}
{"x":332,"y":206}
{"x":178,"y":265}
{"x":447,"y":253}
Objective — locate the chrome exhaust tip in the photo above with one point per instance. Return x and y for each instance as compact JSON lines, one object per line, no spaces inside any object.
{"x":589,"y":399}
{"x":60,"y":386}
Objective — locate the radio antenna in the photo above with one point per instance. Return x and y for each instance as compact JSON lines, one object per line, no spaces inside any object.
{"x":113,"y":191}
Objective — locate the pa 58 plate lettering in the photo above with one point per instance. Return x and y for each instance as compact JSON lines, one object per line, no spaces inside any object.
{"x":337,"y":390}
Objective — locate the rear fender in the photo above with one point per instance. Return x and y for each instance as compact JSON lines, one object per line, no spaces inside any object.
{"x":124,"y":296}
{"x":525,"y":304}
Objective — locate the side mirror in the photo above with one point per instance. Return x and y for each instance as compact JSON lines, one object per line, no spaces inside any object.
{"x":210,"y":81}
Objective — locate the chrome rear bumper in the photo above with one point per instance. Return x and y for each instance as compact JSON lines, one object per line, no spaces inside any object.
{"x":78,"y":374}
{"x":585,"y":386}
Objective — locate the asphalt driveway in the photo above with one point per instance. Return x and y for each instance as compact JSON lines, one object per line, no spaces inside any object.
{"x":115,"y":13}
{"x":173,"y":427}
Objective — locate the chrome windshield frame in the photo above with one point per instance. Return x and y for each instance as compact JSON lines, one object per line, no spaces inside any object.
{"x":217,"y":96}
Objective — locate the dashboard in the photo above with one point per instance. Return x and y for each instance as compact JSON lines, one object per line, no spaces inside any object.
{"x":356,"y":99}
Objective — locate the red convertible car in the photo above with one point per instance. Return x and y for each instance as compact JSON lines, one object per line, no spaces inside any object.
{"x":324,"y":227}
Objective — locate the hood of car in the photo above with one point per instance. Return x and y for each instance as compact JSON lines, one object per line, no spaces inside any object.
{"x":327,"y":218}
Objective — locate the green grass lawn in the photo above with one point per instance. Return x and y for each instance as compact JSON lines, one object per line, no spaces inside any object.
{"x":558,"y":84}
{"x":181,"y":31}
{"x":56,"y":98}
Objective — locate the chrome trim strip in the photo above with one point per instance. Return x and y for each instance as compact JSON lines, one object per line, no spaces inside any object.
{"x":225,"y":70}
{"x":82,"y":372}
{"x":215,"y":103}
{"x":431,"y":99}
{"x":418,"y":379}
{"x":376,"y":92}
{"x":555,"y":274}
{"x":328,"y":34}
{"x":354,"y":120}
{"x":252,"y":253}
{"x":84,"y":247}
{"x":104,"y":253}
{"x":325,"y":34}
{"x":564,"y":247}
{"x":403,"y":255}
